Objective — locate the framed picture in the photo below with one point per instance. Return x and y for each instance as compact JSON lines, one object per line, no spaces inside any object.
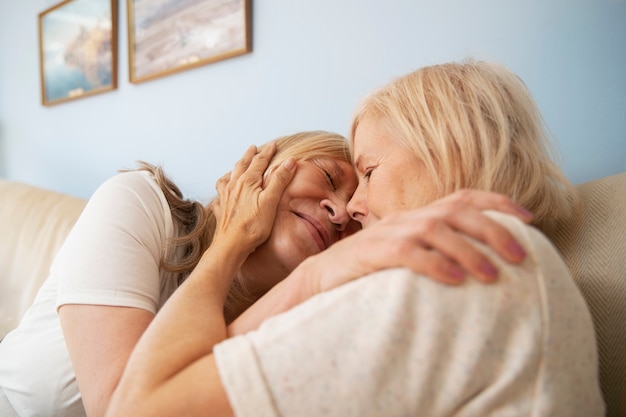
{"x":77,"y":50}
{"x":168,"y":36}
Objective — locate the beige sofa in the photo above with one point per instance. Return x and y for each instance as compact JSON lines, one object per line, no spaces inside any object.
{"x":34,"y":223}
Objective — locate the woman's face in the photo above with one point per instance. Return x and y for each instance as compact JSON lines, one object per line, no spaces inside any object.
{"x":311,"y":216}
{"x":391,"y":178}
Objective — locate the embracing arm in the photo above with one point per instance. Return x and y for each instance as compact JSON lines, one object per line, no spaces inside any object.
{"x":99,"y":351}
{"x":396,"y":344}
{"x":430,"y":241}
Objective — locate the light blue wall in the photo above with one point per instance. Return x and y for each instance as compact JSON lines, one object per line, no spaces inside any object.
{"x":312,"y":61}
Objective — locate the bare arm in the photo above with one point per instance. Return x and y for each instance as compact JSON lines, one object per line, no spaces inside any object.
{"x":172,"y":370}
{"x":100,"y":340}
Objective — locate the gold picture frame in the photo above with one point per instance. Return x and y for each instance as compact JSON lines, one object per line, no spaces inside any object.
{"x":169,"y":36}
{"x":77,"y":50}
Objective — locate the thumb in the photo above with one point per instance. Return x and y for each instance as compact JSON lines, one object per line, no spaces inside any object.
{"x":278,"y":181}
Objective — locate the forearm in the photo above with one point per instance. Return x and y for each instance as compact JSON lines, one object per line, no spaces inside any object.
{"x":180,"y":338}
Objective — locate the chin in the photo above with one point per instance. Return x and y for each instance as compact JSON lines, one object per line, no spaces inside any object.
{"x":272,"y":262}
{"x":285,"y":249}
{"x":292,"y":254}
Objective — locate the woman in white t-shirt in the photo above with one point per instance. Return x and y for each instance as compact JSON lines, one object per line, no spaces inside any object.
{"x":138,"y":239}
{"x":390,"y":344}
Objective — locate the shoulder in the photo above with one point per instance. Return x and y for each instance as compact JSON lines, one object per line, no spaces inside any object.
{"x":139,"y":184}
{"x":129,"y":203}
{"x":128,"y":192}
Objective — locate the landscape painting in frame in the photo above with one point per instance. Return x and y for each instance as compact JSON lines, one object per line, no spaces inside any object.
{"x":168,"y":36}
{"x":77,"y":50}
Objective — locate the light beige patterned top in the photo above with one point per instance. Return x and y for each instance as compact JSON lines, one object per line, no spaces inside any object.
{"x":396,"y":344}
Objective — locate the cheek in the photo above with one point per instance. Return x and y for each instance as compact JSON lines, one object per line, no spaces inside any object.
{"x":384,"y":196}
{"x":288,"y":244}
{"x":411,"y":194}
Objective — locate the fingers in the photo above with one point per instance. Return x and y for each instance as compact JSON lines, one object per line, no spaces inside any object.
{"x":426,"y":242}
{"x":245,"y":207}
{"x":485,"y":200}
{"x":452,"y":256}
{"x":474,"y":223}
{"x":260,"y":162}
{"x":242,"y":165}
{"x":462,"y":210}
{"x":436,"y":266}
{"x":252,"y":164}
{"x":278,"y":181}
{"x":442,"y":235}
{"x":222,"y":182}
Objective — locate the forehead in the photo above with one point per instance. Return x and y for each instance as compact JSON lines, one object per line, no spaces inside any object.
{"x":370,"y":138}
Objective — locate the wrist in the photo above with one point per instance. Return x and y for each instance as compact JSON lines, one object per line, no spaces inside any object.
{"x":218,"y":267}
{"x":309,"y":277}
{"x":228,"y":250}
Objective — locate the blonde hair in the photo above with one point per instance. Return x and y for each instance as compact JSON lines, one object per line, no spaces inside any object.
{"x":474,"y":125}
{"x":196,"y":222}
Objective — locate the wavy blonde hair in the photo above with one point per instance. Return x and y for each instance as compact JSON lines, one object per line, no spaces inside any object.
{"x":196,"y":222}
{"x":474,"y":125}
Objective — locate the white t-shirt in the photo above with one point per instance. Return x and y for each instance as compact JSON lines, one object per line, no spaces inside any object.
{"x":111,"y":257}
{"x":396,"y":344}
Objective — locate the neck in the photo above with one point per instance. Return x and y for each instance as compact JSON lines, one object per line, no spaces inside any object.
{"x":239,"y":298}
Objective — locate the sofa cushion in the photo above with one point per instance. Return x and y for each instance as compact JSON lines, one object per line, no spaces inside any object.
{"x":34,"y":223}
{"x":593,"y":244}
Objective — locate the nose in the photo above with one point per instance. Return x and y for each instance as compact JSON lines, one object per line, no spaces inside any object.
{"x":356,"y":207}
{"x":337,"y":213}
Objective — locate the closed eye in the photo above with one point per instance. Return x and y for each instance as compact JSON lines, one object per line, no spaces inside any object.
{"x":331,"y":180}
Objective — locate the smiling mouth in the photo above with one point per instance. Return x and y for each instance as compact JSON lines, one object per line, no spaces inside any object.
{"x":319,"y":234}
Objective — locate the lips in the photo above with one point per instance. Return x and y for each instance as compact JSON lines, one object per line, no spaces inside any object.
{"x":318,"y":231}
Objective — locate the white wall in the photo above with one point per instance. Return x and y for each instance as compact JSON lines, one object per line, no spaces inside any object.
{"x":311,"y":63}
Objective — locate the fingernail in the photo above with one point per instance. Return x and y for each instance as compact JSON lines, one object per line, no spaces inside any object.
{"x":489,"y":270}
{"x":456,"y":272}
{"x":289,"y":163}
{"x":517,"y":250}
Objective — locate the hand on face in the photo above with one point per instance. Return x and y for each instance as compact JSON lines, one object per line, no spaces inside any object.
{"x":310,"y":216}
{"x":246,"y":207}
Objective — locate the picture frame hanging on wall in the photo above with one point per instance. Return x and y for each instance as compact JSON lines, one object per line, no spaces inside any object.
{"x":77,"y":50}
{"x":169,"y":36}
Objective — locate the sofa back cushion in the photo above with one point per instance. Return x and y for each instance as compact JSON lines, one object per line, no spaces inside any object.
{"x":33,"y":223}
{"x":593,"y":244}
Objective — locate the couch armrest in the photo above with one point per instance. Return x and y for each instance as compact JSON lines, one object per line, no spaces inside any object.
{"x":34,"y":223}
